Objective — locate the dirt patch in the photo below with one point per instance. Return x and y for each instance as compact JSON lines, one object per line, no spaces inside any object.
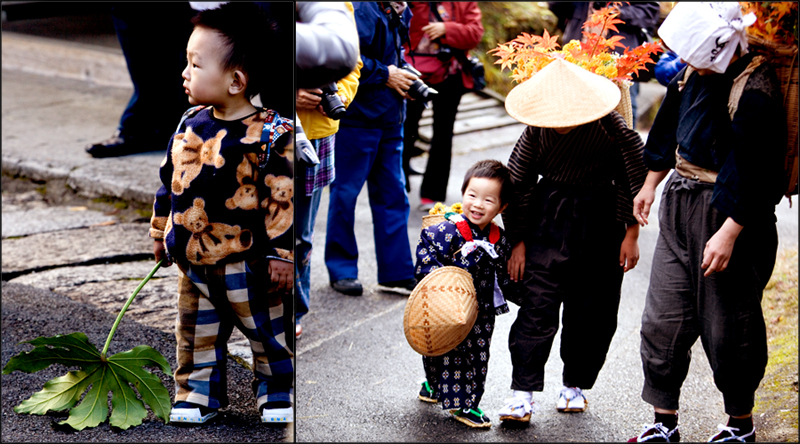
{"x":57,"y":193}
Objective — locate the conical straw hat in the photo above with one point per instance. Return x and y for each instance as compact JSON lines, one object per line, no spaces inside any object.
{"x":441,"y":311}
{"x":562,"y":94}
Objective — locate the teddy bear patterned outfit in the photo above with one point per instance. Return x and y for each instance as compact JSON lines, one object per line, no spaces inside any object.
{"x":458,"y":377}
{"x":224,"y":210}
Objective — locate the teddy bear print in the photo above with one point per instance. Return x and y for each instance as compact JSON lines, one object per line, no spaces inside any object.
{"x":285,"y":254}
{"x":190,"y":153}
{"x":210,"y":242}
{"x":255,"y":124}
{"x":246,"y":196}
{"x":280,"y":210}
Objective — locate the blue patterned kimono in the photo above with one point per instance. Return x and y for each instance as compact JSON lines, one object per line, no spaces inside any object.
{"x":458,"y":377}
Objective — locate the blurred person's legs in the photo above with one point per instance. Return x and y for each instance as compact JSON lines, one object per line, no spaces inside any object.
{"x":306,"y":209}
{"x":355,"y":154}
{"x":390,"y":209}
{"x":445,"y":108}
{"x":414,"y":109}
{"x":153,"y":38}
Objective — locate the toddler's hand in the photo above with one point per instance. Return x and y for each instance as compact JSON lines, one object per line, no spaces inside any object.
{"x":160,"y":252}
{"x":281,"y":273}
{"x":516,"y":263}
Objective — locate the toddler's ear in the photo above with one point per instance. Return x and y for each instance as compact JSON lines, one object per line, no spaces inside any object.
{"x":503,"y":208}
{"x":238,"y":83}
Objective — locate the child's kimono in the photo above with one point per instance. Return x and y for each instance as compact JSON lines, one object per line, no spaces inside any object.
{"x":458,"y":377}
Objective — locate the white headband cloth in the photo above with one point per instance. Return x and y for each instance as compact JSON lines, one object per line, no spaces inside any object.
{"x":706,"y":34}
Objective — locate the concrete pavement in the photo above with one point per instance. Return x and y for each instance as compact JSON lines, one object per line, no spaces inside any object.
{"x":357,"y":377}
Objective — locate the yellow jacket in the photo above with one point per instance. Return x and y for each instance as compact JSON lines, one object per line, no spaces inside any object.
{"x":317,"y":126}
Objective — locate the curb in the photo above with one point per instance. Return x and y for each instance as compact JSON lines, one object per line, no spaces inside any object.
{"x":57,"y":58}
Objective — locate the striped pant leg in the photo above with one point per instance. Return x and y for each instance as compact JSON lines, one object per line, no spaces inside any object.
{"x":202,"y":335}
{"x":265,"y":317}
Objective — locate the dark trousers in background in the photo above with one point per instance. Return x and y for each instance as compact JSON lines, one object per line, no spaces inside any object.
{"x":445,"y":107}
{"x":571,"y":258}
{"x":153,"y":38}
{"x":723,"y":309}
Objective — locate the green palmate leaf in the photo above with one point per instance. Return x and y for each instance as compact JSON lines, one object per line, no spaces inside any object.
{"x":129,"y":367}
{"x":70,"y":350}
{"x":115,"y":374}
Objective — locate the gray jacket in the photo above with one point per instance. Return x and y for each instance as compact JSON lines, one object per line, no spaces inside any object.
{"x":326,"y":43}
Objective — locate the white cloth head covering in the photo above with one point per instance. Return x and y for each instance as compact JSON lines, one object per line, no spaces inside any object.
{"x":706,"y":34}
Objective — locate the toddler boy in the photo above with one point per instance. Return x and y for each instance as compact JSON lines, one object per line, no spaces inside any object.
{"x":224,"y":215}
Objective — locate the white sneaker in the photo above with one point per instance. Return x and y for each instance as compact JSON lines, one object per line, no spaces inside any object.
{"x":571,"y":399}
{"x":518,"y":409}
{"x":191,"y":413}
{"x":285,"y":415}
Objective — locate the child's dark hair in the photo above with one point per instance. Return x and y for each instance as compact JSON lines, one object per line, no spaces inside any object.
{"x":491,"y":169}
{"x":246,"y":31}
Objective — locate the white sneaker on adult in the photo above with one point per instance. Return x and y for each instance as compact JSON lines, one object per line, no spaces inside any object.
{"x":518,"y":409}
{"x":571,"y":399}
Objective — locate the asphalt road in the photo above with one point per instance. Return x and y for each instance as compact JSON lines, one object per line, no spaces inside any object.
{"x":358,"y":379}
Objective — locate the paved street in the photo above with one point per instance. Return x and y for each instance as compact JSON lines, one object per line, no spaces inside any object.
{"x":357,"y":377}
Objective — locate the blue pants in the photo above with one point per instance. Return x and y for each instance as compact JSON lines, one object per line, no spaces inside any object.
{"x":306,"y":208}
{"x":373,"y":156}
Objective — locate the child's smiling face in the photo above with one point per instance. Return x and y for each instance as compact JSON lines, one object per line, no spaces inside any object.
{"x":481,"y":201}
{"x":205,"y":80}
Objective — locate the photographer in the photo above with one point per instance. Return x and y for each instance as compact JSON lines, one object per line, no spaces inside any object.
{"x":440,"y":35}
{"x":320,"y":110}
{"x":369,"y":149}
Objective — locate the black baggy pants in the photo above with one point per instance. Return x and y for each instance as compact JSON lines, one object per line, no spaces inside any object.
{"x":572,"y":258}
{"x":723,"y":309}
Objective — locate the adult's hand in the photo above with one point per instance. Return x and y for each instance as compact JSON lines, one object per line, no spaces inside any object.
{"x":400,"y":80}
{"x":308,"y":98}
{"x":719,"y":248}
{"x":434,"y":30}
{"x":647,"y":195}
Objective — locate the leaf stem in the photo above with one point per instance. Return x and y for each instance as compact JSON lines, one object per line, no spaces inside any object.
{"x":125,"y":308}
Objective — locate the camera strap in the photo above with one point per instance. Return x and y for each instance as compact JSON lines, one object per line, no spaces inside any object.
{"x":402,"y":31}
{"x":460,"y":55}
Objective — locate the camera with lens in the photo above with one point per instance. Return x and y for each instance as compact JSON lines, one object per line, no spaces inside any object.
{"x":331,"y":103}
{"x":419,"y":90}
{"x":444,"y":54}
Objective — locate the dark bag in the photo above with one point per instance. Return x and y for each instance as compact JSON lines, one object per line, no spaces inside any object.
{"x":474,"y":67}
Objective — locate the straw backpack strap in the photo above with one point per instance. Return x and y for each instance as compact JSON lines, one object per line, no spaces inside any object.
{"x":686,"y":73}
{"x":739,"y":83}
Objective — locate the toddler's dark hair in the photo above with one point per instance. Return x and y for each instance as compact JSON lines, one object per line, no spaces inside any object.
{"x":246,"y":32}
{"x":491,"y":169}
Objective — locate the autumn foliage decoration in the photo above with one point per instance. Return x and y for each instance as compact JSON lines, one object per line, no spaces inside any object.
{"x":528,"y":54}
{"x":776,"y":21}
